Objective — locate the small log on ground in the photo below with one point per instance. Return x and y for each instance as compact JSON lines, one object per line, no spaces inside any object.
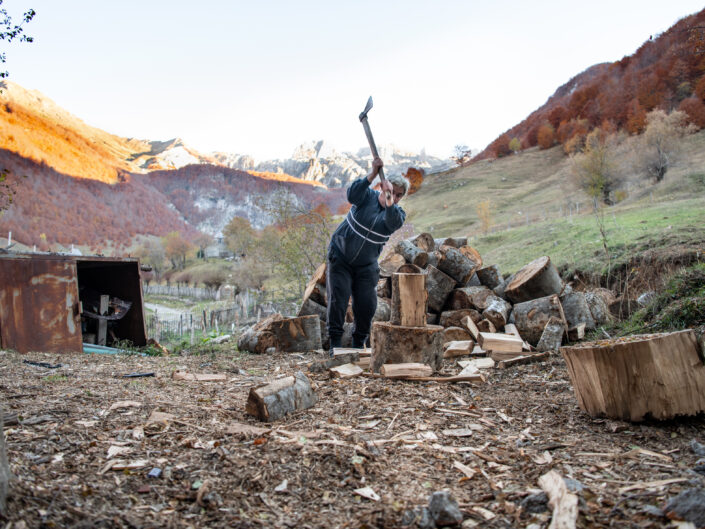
{"x":424,"y":241}
{"x":577,"y":310}
{"x":411,"y":369}
{"x":408,"y":307}
{"x":455,"y":263}
{"x":310,"y":307}
{"x":576,"y":333}
{"x":552,"y":335}
{"x":537,"y":279}
{"x":523,"y":359}
{"x":271,"y":402}
{"x":454,"y":334}
{"x":497,"y":311}
{"x":490,"y":276}
{"x":345,"y":371}
{"x":486,"y":326}
{"x":469,"y":298}
{"x":439,"y":286}
{"x":412,"y":253}
{"x":384,"y":287}
{"x":658,"y":375}
{"x":383,"y":311}
{"x":531,"y":317}
{"x":458,"y":348}
{"x":395,"y":344}
{"x":454,"y":318}
{"x":502,"y":343}
{"x":390,"y":264}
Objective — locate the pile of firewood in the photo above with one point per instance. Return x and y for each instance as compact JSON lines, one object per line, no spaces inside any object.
{"x":535,"y":302}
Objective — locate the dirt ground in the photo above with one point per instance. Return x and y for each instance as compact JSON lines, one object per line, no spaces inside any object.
{"x":402,"y":439}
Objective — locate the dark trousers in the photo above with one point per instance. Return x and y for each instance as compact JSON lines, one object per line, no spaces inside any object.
{"x":342,"y":281}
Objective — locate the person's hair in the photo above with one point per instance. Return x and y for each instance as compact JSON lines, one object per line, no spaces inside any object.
{"x":399,"y":180}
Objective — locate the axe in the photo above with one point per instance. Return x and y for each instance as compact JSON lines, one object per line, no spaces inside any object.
{"x":373,"y":146}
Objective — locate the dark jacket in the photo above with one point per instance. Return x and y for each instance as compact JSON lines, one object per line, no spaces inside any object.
{"x":367,"y":226}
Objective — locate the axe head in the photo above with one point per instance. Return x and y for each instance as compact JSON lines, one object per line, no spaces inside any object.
{"x":368,"y":106}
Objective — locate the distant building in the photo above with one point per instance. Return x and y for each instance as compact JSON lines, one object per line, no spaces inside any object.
{"x":218,"y":249}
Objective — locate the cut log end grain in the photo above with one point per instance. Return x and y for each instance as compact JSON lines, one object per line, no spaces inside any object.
{"x":424,"y":241}
{"x":412,"y":254}
{"x":389,"y":265}
{"x":658,"y":375}
{"x":299,"y":334}
{"x":537,"y":279}
{"x":395,"y":344}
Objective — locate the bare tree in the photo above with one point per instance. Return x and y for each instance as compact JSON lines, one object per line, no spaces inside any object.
{"x":660,"y":143}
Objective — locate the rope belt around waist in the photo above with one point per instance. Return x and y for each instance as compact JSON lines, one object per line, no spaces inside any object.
{"x":369,"y":231}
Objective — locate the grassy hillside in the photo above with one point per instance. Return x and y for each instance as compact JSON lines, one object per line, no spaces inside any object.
{"x":537,"y":208}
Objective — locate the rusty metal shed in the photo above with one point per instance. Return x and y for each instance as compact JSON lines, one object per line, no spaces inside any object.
{"x":41,"y":305}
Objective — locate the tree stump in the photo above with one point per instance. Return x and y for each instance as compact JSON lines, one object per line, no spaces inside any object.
{"x":290,"y":335}
{"x":537,"y":279}
{"x":532,"y":316}
{"x":438,"y":286}
{"x":412,"y":253}
{"x":271,"y":402}
{"x":424,"y":241}
{"x":577,"y":310}
{"x":657,"y":375}
{"x":408,"y":307}
{"x":396,"y":344}
{"x":458,"y":265}
{"x":489,"y":276}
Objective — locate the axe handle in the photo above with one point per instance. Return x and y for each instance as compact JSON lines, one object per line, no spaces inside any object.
{"x":375,"y":154}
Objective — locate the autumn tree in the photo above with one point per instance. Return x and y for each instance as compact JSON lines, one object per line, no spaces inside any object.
{"x":500,"y":146}
{"x":239,"y":236}
{"x":695,"y":109}
{"x":546,"y":136}
{"x":660,"y":143}
{"x":515,"y":145}
{"x":202,"y":241}
{"x":484,"y":213}
{"x":176,"y":249}
{"x":594,"y":167}
{"x":151,"y":252}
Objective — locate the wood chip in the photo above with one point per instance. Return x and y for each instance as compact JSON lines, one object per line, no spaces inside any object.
{"x":652,"y":484}
{"x":469,"y":472}
{"x":199,"y":377}
{"x":367,"y":492}
{"x":125,"y":404}
{"x":564,"y":504}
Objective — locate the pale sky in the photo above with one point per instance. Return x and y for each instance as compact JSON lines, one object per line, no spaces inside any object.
{"x":261,"y":78}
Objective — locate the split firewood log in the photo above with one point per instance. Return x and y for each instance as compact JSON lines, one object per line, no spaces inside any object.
{"x":424,"y":241}
{"x":310,"y":307}
{"x":408,"y":307}
{"x":490,"y":276}
{"x":537,"y":279}
{"x":598,"y":301}
{"x":383,"y":311}
{"x":412,"y":253}
{"x":439,"y":287}
{"x":390,"y":264}
{"x":458,"y":348}
{"x":459,"y":263}
{"x":454,"y":318}
{"x":469,"y":298}
{"x":316,"y":287}
{"x":530,"y":317}
{"x":497,"y":311}
{"x":273,"y":401}
{"x":396,"y":344}
{"x":552,"y":335}
{"x":258,"y":338}
{"x":456,"y":334}
{"x":577,"y":310}
{"x":486,"y":326}
{"x":433,"y":258}
{"x":410,"y":369}
{"x":500,"y":343}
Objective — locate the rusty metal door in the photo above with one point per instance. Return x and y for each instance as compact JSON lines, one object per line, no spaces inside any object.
{"x":39,"y":305}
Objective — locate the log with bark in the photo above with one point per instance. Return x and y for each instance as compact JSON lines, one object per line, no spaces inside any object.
{"x":316,"y":287}
{"x":577,"y":310}
{"x":408,"y":306}
{"x":523,"y":360}
{"x":412,"y":253}
{"x":384,"y":287}
{"x":490,"y":276}
{"x":390,"y":264}
{"x":497,"y":311}
{"x":658,"y":375}
{"x":454,"y":318}
{"x":599,"y":306}
{"x":258,"y":338}
{"x":439,"y":286}
{"x":383,"y":311}
{"x":273,"y":401}
{"x":458,"y":263}
{"x":486,"y":326}
{"x":531,"y":317}
{"x":424,"y":241}
{"x":396,"y":344}
{"x":576,"y":333}
{"x":458,"y":348}
{"x":408,"y":268}
{"x":448,"y":241}
{"x":310,"y":307}
{"x":552,"y":335}
{"x":454,"y":334}
{"x":469,"y":298}
{"x":433,"y":258}
{"x":431,"y":318}
{"x":537,"y":279}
